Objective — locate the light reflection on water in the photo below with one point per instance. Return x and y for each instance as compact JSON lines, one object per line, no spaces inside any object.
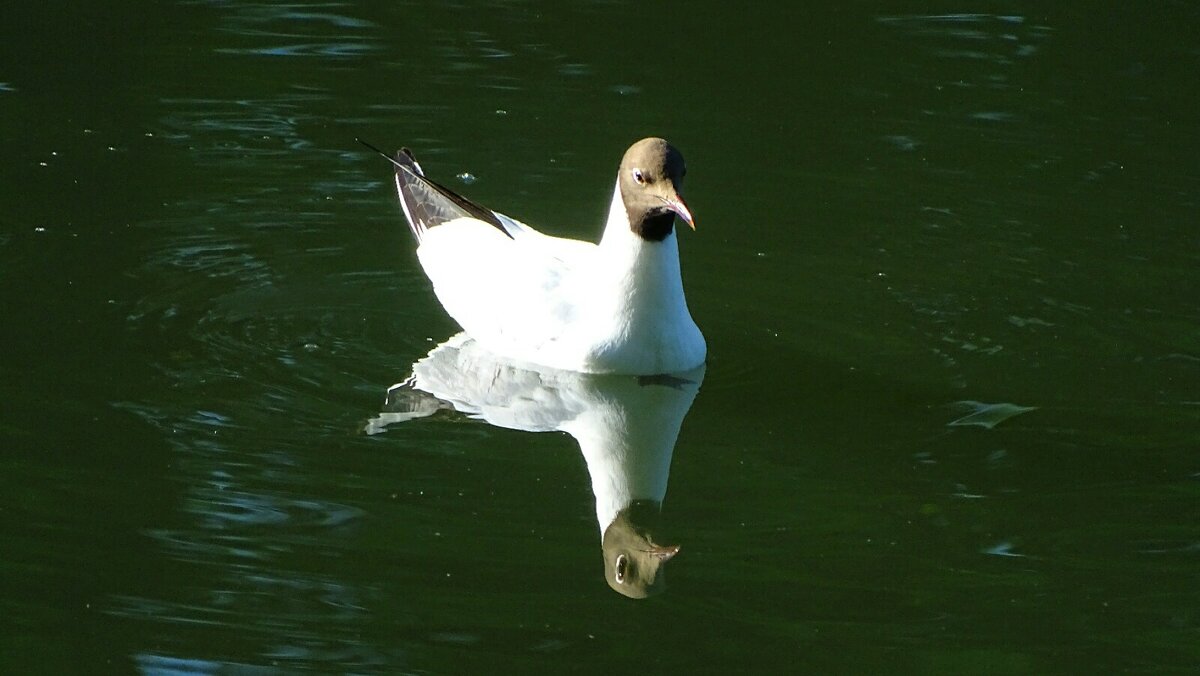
{"x":286,"y":31}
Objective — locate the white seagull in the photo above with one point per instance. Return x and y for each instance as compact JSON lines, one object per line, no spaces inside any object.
{"x":612,"y":307}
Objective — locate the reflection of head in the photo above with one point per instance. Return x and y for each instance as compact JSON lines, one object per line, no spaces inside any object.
{"x":632,"y":562}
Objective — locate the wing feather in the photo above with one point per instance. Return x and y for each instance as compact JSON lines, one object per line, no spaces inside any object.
{"x":428,"y":204}
{"x":498,"y":288}
{"x":506,"y":284}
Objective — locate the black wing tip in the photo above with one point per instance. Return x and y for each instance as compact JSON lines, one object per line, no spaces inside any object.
{"x":412,"y":175}
{"x":405,"y":158}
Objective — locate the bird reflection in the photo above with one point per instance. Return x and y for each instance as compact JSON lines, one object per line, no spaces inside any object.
{"x":626,"y":427}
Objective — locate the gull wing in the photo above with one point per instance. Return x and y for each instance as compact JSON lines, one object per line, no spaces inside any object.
{"x":427,"y":204}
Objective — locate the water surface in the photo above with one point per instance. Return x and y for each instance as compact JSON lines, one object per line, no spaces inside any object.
{"x":946,"y":265}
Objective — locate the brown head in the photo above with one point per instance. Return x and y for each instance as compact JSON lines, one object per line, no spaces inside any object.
{"x":633,"y":564}
{"x":650,"y":179}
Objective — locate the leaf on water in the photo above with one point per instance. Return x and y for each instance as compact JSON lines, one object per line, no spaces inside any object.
{"x":988,"y":415}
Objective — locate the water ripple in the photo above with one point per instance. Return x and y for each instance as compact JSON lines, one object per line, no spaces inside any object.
{"x":292,"y":31}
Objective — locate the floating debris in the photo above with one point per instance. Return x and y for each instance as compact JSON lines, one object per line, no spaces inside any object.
{"x":1022,"y":322}
{"x":466,"y":177}
{"x":988,"y":415}
{"x":905,"y":143}
{"x":992,"y":116}
{"x":575,"y":70}
{"x":1003,"y":549}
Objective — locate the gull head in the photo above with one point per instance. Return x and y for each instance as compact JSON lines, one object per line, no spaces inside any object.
{"x":650,"y":180}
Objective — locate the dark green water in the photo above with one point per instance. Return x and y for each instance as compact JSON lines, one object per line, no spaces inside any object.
{"x":207,"y":288}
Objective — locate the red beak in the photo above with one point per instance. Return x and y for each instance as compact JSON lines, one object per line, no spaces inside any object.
{"x":681,"y":209}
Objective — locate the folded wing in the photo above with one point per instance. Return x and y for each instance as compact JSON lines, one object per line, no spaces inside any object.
{"x":504,"y":282}
{"x":428,"y":204}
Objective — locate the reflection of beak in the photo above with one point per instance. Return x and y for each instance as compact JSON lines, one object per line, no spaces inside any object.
{"x":676,"y":204}
{"x":663,"y":553}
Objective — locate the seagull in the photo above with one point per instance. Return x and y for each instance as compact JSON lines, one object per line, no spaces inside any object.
{"x":612,"y":307}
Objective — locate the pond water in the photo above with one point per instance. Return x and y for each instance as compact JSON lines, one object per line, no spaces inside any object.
{"x":946,"y":263}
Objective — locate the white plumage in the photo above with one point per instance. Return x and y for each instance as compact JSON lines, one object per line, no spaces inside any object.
{"x":613,"y":307}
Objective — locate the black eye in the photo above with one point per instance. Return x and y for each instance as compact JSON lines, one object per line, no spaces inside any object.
{"x":639,"y":177}
{"x":622,"y":566}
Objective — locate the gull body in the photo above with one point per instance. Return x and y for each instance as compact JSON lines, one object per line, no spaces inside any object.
{"x":613,"y":307}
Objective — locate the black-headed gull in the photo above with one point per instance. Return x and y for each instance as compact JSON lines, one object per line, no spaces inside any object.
{"x":612,"y":307}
